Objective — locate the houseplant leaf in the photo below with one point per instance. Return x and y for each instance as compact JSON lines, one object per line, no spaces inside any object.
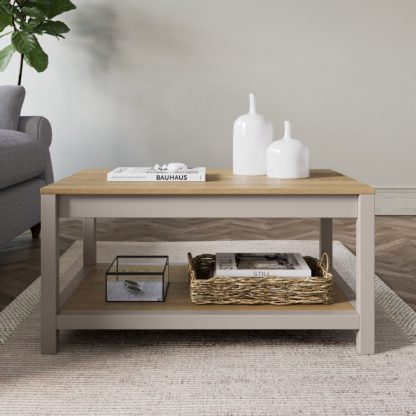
{"x":24,"y":42}
{"x":56,"y":7}
{"x":5,"y":18}
{"x":33,"y":12}
{"x":54,"y":28}
{"x":31,"y":26}
{"x":6,"y":5}
{"x":40,"y":4}
{"x":37,"y":58}
{"x":5,"y":56}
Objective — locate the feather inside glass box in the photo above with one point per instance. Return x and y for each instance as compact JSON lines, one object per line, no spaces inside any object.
{"x":137,"y":279}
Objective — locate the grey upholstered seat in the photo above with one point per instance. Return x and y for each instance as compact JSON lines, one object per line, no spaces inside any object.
{"x":25,"y":164}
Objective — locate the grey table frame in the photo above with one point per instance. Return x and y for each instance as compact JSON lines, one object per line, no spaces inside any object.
{"x":325,"y":207}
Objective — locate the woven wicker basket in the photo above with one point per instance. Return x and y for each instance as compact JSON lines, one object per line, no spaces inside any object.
{"x":207,"y":288}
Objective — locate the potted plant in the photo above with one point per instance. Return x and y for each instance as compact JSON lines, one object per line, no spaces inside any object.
{"x":25,"y":21}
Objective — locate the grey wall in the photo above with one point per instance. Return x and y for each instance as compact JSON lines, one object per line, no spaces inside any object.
{"x":138,"y":82}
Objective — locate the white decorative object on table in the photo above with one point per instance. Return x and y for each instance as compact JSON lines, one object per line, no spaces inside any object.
{"x":170,"y":167}
{"x":251,"y":137}
{"x":176,"y":166}
{"x":288,"y":158}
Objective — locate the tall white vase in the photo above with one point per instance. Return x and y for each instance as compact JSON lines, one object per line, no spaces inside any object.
{"x":252,"y":136}
{"x":288,"y":158}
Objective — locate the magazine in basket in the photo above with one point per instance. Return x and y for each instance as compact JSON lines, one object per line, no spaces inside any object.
{"x":261,"y":265}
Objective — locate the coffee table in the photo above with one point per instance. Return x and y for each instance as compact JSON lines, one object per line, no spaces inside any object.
{"x":86,"y":194}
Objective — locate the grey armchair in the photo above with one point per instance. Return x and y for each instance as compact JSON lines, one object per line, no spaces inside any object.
{"x":25,"y":165}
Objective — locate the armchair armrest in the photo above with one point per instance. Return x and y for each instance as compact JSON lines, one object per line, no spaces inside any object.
{"x":38,"y":127}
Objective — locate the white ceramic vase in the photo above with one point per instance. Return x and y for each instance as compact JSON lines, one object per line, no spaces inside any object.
{"x":287,"y":158}
{"x":252,"y":136}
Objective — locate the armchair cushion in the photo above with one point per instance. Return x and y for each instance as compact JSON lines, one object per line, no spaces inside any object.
{"x":11,"y":101}
{"x":21,"y":157}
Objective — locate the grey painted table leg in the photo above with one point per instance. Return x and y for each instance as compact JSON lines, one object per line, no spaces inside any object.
{"x":365,"y":274}
{"x":90,"y":244}
{"x":325,"y":238}
{"x":50,"y":274}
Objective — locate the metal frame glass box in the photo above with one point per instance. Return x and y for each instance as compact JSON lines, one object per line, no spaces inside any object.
{"x":137,"y":279}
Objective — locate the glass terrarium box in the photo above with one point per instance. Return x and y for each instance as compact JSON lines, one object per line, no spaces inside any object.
{"x":137,"y":279}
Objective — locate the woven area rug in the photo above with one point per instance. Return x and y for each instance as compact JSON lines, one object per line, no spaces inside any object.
{"x":211,"y":372}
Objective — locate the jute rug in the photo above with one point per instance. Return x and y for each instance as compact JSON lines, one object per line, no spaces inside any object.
{"x":212,"y":372}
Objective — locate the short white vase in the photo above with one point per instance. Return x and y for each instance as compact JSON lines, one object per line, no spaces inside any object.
{"x":252,"y":136}
{"x":287,"y":158}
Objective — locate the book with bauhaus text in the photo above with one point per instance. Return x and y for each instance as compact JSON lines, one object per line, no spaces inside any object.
{"x":155,"y":175}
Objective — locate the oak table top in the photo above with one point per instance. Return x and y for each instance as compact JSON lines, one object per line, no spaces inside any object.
{"x":218,"y":182}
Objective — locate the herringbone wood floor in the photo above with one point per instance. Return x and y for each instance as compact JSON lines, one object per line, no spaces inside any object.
{"x":395,"y":244}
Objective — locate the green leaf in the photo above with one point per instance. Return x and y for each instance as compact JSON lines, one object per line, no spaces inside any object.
{"x":5,"y":19}
{"x":43,"y":5}
{"x":24,"y":42}
{"x":37,"y":59}
{"x":56,"y":7}
{"x":54,"y":28}
{"x":5,"y":56}
{"x":31,"y":24}
{"x":33,"y":12}
{"x":5,"y":5}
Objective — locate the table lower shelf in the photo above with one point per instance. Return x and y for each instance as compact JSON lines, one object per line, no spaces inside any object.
{"x":86,"y":308}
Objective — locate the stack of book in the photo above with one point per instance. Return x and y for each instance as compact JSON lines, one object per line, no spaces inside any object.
{"x":284,"y":265}
{"x":156,"y":175}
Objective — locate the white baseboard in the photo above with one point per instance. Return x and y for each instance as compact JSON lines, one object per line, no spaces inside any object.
{"x":395,"y":200}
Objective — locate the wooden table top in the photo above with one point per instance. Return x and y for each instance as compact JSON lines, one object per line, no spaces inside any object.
{"x":218,"y":182}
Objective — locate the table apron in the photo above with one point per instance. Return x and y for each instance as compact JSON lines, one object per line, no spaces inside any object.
{"x":208,"y":206}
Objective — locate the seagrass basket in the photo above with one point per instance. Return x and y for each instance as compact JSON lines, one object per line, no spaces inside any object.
{"x":206,"y":288}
